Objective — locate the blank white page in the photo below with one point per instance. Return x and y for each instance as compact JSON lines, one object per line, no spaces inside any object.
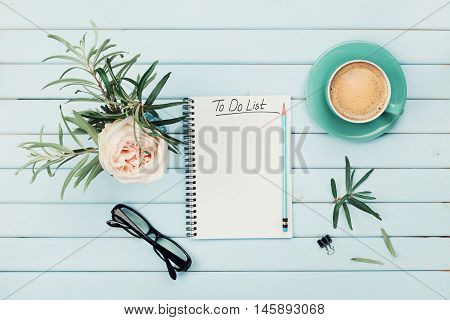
{"x":239,"y":166}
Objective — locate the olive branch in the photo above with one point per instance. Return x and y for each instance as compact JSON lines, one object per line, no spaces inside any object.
{"x":355,"y":199}
{"x":118,"y":96}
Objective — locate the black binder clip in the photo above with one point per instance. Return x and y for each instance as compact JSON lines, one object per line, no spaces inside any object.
{"x":325,"y":242}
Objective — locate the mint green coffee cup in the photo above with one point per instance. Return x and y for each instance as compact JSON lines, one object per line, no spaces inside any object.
{"x":384,"y":108}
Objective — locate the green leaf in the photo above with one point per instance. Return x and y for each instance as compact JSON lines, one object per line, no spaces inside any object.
{"x":110,"y":56}
{"x":44,"y":166}
{"x":133,"y":82}
{"x":63,"y":162}
{"x":364,"y":260}
{"x":72,"y":173}
{"x":73,"y":81}
{"x":94,"y":173}
{"x":164,"y":105}
{"x":41,"y":134}
{"x":173,"y":149}
{"x":388,"y":243}
{"x":102,"y":48}
{"x":90,"y":114}
{"x":337,"y":207}
{"x":351,"y":179}
{"x":361,"y":196}
{"x":117,"y":87}
{"x":167,"y":121}
{"x":85,"y":86}
{"x":82,"y":173}
{"x":95,"y":29}
{"x":144,"y":79}
{"x":347,"y":215}
{"x":149,"y":80}
{"x":126,"y":66}
{"x":93,"y":99}
{"x":27,"y":164}
{"x":364,"y":178}
{"x":43,"y":145}
{"x":105,"y":81}
{"x":168,"y":138}
{"x":347,"y":175}
{"x":63,"y":57}
{"x":336,"y":215}
{"x":70,"y":69}
{"x":152,"y":97}
{"x":83,"y":124}
{"x":362,"y":206}
{"x":333,"y":188}
{"x":74,"y":137}
{"x":69,"y":47}
{"x":362,"y":192}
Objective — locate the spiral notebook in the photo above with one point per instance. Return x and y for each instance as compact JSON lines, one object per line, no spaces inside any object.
{"x":234,"y":167}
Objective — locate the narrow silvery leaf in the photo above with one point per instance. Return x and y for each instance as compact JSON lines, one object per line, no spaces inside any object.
{"x":72,"y":173}
{"x":83,"y":172}
{"x":388,"y":243}
{"x":83,"y":124}
{"x":63,"y":57}
{"x":364,"y":260}
{"x":70,"y":81}
{"x":60,"y":135}
{"x":94,"y":173}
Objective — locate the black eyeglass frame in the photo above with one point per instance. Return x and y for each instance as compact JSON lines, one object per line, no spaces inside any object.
{"x":162,"y":252}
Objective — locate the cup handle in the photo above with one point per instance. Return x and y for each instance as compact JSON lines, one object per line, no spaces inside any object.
{"x":394,"y":109}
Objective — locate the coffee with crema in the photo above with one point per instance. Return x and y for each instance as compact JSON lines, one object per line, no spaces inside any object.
{"x":359,"y":91}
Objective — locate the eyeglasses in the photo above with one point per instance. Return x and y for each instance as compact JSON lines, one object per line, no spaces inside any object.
{"x":175,"y":257}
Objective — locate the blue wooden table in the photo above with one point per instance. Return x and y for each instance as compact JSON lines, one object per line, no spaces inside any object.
{"x":64,"y":250}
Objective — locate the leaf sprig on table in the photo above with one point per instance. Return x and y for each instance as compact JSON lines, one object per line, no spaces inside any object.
{"x":101,"y":76}
{"x":352,"y":198}
{"x":389,"y":246}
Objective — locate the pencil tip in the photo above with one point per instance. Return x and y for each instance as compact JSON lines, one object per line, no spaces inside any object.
{"x":283,"y":112}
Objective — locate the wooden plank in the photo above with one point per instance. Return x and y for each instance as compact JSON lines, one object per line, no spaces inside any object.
{"x":389,"y":151}
{"x":216,"y":80}
{"x":234,"y":286}
{"x":131,"y":254}
{"x":421,"y":116}
{"x":312,"y":185}
{"x":169,"y":189}
{"x":231,"y":46}
{"x":400,"y":151}
{"x":231,"y":14}
{"x":388,"y":185}
{"x":310,"y":220}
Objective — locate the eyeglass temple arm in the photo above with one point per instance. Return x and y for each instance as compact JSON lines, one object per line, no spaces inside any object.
{"x":160,"y":248}
{"x":170,"y":268}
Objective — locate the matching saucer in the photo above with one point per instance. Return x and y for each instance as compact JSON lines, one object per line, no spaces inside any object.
{"x":322,"y":71}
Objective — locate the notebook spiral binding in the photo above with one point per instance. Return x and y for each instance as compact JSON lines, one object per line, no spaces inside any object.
{"x":190,"y":168}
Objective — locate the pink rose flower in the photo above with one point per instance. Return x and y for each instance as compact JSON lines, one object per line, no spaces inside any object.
{"x":127,"y":160}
